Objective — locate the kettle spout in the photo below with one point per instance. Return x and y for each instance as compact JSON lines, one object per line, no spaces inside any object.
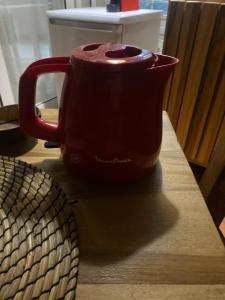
{"x":157,"y":76}
{"x":163,"y":67}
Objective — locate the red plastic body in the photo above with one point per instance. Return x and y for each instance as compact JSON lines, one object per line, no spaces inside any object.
{"x":110,"y":120}
{"x":127,"y":5}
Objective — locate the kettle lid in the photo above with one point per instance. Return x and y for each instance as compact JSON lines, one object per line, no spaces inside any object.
{"x":113,"y":57}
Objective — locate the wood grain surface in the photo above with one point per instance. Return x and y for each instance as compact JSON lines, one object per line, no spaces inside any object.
{"x":154,"y":292}
{"x":154,"y":239}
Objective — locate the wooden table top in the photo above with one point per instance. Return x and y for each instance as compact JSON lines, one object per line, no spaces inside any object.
{"x":154,"y":239}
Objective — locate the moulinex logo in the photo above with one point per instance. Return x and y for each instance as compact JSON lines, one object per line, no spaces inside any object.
{"x":112,"y":161}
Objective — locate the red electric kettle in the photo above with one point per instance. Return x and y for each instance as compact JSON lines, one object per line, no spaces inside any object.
{"x":110,"y":116}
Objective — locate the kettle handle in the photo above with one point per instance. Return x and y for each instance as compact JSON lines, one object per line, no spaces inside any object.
{"x":29,"y":121}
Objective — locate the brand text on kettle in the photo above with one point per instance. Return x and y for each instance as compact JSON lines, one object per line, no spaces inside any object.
{"x":113,"y":161}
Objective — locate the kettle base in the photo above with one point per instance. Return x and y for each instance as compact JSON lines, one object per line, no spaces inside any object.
{"x":112,"y":177}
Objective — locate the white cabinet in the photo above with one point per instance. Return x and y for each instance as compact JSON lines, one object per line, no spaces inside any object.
{"x":66,"y":36}
{"x":72,"y":28}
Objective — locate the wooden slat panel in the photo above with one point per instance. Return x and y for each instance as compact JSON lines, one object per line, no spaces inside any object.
{"x":172,"y":33}
{"x":216,"y":163}
{"x":187,"y":35}
{"x":221,"y":137}
{"x":201,"y":44}
{"x":217,"y":1}
{"x":211,"y":73}
{"x":213,"y":123}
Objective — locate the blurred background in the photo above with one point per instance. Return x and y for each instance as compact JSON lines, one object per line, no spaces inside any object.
{"x":25,"y":38}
